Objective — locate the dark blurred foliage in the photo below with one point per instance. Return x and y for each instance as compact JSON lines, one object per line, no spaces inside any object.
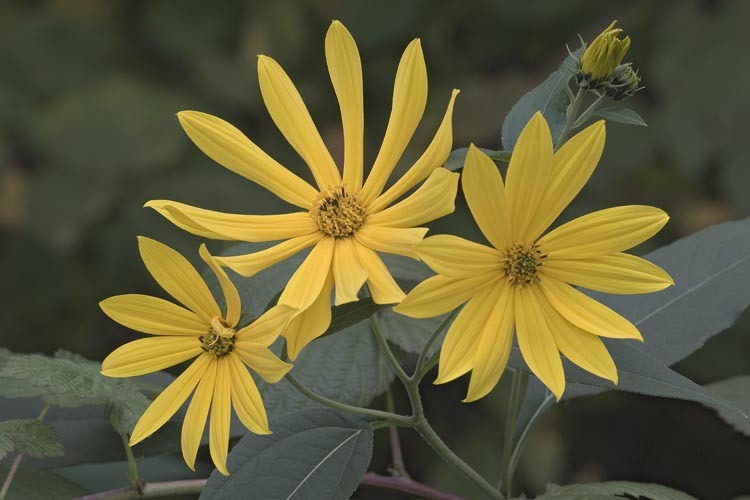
{"x":88,"y":94}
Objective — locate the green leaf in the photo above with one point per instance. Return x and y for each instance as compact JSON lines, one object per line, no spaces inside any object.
{"x":311,"y":454}
{"x":350,"y":314}
{"x":613,"y":490}
{"x":31,"y":484}
{"x":30,"y":437}
{"x":458,"y":156}
{"x":621,"y":114}
{"x":736,"y":390}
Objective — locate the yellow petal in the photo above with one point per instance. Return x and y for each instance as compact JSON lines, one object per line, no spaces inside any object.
{"x":536,"y":340}
{"x":223,"y":226}
{"x":267,"y":328}
{"x":617,"y":273}
{"x":170,"y":400}
{"x":434,"y":156}
{"x":603,"y":232}
{"x":409,"y":100}
{"x":485,"y":194}
{"x":305,"y":284}
{"x":262,"y":361}
{"x":310,"y":323}
{"x":146,"y":314}
{"x":246,"y":399}
{"x":150,"y":355}
{"x":252,"y":263}
{"x":572,"y":165}
{"x":439,"y":294}
{"x":345,"y":69}
{"x":587,"y":313}
{"x":434,"y":199}
{"x":221,"y":414}
{"x":396,"y":240}
{"x":290,"y":115}
{"x":348,"y":273}
{"x":383,"y":287}
{"x":528,"y":174}
{"x":231,"y":295}
{"x":178,"y":278}
{"x":229,"y":147}
{"x":197,"y":413}
{"x":453,"y":256}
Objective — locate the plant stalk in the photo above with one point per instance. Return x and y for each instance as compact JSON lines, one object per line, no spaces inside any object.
{"x":17,"y":461}
{"x":514,"y":406}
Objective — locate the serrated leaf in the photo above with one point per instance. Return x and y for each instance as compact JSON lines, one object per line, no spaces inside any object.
{"x":30,"y":437}
{"x":458,"y":156}
{"x":31,"y":484}
{"x":736,"y":390}
{"x":621,"y":114}
{"x":613,"y":490}
{"x":311,"y":454}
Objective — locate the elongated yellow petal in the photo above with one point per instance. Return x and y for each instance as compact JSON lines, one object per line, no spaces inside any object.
{"x":493,"y":349}
{"x":528,"y":175}
{"x":434,"y":157}
{"x":245,"y":397}
{"x":409,"y":101}
{"x":146,"y":314}
{"x":290,"y":115}
{"x":485,"y":194}
{"x":536,"y":340}
{"x":396,"y":240}
{"x":603,"y":232}
{"x":262,"y":361}
{"x":169,"y":401}
{"x":233,"y":227}
{"x":572,"y":165}
{"x":221,"y":414}
{"x":178,"y":278}
{"x":310,"y":323}
{"x":345,"y":69}
{"x":231,"y":295}
{"x":439,"y":294}
{"x":383,"y":287}
{"x":587,"y":313}
{"x":229,"y":147}
{"x":348,"y":273}
{"x":453,"y":256}
{"x":618,"y":273}
{"x":197,"y":413}
{"x":305,"y":284}
{"x":266,"y":329}
{"x":150,"y":355}
{"x":252,"y":263}
{"x":434,"y":199}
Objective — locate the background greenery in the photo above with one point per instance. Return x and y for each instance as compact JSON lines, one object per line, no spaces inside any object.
{"x":88,"y":93}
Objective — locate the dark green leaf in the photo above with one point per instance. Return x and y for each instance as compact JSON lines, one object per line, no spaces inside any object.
{"x":613,"y":490}
{"x":41,"y":485}
{"x":350,"y":314}
{"x":458,"y":156}
{"x":30,"y":437}
{"x":736,"y":390}
{"x":621,"y":114}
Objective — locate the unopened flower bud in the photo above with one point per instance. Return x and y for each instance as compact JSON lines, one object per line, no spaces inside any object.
{"x":605,"y":53}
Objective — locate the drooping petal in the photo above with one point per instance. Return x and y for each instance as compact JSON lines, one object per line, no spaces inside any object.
{"x":409,"y":101}
{"x":305,"y":284}
{"x":345,"y":68}
{"x":528,"y":175}
{"x":153,"y":315}
{"x":536,"y":340}
{"x":169,"y":401}
{"x":310,"y":323}
{"x":348,"y":273}
{"x":233,"y":227}
{"x":262,"y":361}
{"x":604,"y":232}
{"x":252,"y":263}
{"x":267,"y":328}
{"x":290,"y":115}
{"x":245,"y":397}
{"x":434,"y":199}
{"x":395,"y":240}
{"x":221,"y":414}
{"x":383,"y":287}
{"x":439,"y":294}
{"x":617,"y":273}
{"x":450,"y":255}
{"x":149,"y":355}
{"x":229,"y":147}
{"x":572,"y":165}
{"x":587,"y":313}
{"x":231,"y":295}
{"x":485,"y":194}
{"x":197,"y":413}
{"x":178,"y":278}
{"x":434,"y":157}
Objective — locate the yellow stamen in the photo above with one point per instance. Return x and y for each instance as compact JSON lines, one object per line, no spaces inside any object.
{"x":338,"y":213}
{"x":219,"y":341}
{"x":521,"y":263}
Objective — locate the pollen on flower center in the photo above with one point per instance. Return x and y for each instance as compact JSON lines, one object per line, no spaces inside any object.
{"x":219,"y":341}
{"x":522,"y":262}
{"x":338,"y":213}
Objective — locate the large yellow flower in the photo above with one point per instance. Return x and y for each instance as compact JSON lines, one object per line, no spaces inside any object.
{"x":523,"y":282}
{"x":345,"y":220}
{"x":218,"y":374}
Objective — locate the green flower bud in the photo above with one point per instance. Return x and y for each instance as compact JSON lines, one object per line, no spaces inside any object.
{"x":605,"y":53}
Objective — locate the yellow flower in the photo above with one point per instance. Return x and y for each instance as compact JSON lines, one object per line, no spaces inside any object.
{"x":346,"y":219}
{"x":523,"y":281}
{"x":199,"y":330}
{"x":605,"y":53}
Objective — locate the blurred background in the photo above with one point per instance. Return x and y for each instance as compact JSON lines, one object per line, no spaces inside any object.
{"x":88,"y":96}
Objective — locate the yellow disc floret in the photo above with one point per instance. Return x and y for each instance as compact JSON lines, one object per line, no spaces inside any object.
{"x":338,"y":213}
{"x":219,"y":341}
{"x":522,"y":263}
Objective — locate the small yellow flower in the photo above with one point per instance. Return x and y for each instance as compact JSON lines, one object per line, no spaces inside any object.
{"x":523,"y":281}
{"x":345,"y":219}
{"x":604,"y":53}
{"x":218,"y":374}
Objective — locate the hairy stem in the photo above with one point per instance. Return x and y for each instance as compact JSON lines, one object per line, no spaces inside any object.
{"x":405,"y":484}
{"x":519,"y":445}
{"x":134,"y":480}
{"x":17,"y":461}
{"x":514,"y":405}
{"x":377,"y":331}
{"x":152,"y":490}
{"x":397,"y":455}
{"x":570,"y":117}
{"x":419,"y":372}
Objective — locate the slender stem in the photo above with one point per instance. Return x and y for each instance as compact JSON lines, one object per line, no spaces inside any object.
{"x":514,"y":405}
{"x":406,"y":485}
{"x":377,"y":331}
{"x":152,"y":490}
{"x":518,"y":447}
{"x":134,"y":479}
{"x":397,"y":455}
{"x":589,"y":111}
{"x":426,"y":349}
{"x":17,"y":461}
{"x":570,"y":117}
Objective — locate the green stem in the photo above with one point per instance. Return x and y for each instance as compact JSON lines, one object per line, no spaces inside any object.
{"x":514,"y":405}
{"x":570,"y":117}
{"x":518,"y":447}
{"x":167,"y":489}
{"x":588,"y":112}
{"x":377,"y":331}
{"x":397,"y":456}
{"x":418,"y":372}
{"x":134,"y":479}
{"x":17,"y":461}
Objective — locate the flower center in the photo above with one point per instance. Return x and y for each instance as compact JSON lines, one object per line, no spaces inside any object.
{"x":338,"y":213}
{"x":219,"y":341}
{"x":521,"y":263}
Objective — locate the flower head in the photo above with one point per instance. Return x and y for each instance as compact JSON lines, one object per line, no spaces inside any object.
{"x":345,"y":218}
{"x":604,"y":54}
{"x":200,"y":331}
{"x":523,"y":281}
